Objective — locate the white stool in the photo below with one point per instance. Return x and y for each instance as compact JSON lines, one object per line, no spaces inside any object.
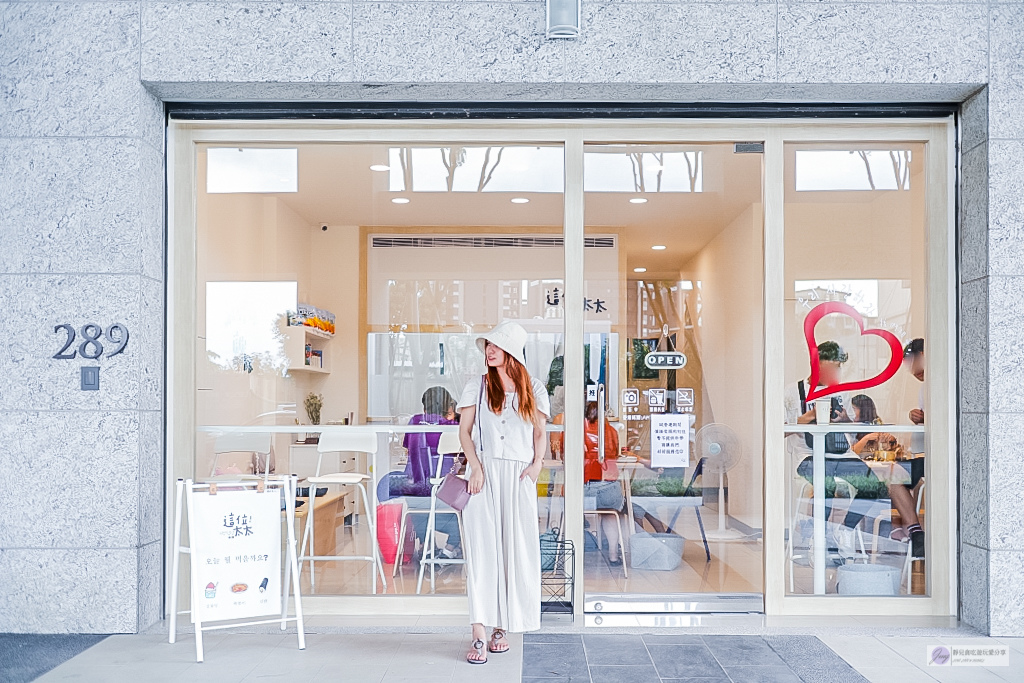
{"x":448,"y":444}
{"x":350,"y":443}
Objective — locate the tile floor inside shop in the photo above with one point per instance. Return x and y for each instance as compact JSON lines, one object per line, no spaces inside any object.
{"x":431,"y":649}
{"x":735,"y":567}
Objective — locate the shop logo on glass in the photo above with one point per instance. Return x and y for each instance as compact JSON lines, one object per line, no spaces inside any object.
{"x":819,"y":312}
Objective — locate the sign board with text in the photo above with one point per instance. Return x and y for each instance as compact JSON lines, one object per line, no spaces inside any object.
{"x":670,"y":440}
{"x":236,"y":537}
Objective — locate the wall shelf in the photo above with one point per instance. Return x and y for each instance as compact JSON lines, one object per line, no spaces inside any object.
{"x":296,"y":339}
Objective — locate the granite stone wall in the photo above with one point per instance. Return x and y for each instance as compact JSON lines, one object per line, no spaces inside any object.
{"x":82,"y":234}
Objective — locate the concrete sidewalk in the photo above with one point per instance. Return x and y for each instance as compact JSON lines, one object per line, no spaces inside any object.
{"x":393,"y":650}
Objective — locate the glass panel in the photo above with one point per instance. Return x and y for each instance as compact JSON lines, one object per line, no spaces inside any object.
{"x":674,"y":271}
{"x":854,"y":365}
{"x":352,"y":306}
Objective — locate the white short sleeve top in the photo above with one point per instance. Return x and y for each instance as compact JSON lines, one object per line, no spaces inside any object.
{"x":505,"y":436}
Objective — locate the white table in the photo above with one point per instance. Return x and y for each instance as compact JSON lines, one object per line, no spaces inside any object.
{"x":818,"y":433}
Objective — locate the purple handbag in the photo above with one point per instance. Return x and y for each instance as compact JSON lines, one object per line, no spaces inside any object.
{"x":454,"y":490}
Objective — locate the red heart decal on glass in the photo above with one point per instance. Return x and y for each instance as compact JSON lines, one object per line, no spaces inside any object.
{"x":819,"y":312}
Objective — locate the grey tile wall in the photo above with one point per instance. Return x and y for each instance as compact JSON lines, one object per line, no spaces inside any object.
{"x":81,"y":240}
{"x":82,"y":235}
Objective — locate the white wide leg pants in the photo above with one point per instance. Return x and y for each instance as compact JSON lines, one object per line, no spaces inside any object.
{"x":502,"y":548}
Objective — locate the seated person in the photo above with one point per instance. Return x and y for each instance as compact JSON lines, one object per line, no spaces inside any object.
{"x":840,"y":462}
{"x":438,"y":409}
{"x":864,"y":411}
{"x":601,"y":479}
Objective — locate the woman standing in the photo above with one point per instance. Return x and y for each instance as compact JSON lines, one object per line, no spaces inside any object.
{"x":502,"y":433}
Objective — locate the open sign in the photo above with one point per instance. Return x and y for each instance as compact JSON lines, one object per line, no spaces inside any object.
{"x":658,"y":360}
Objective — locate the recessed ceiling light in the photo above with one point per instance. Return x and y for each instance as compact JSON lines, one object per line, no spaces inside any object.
{"x":659,"y":247}
{"x":380,"y":167}
{"x":639,"y":270}
{"x":638,"y":200}
{"x":405,"y":200}
{"x":520,"y":200}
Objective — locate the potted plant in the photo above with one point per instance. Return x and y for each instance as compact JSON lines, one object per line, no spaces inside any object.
{"x":314,"y":403}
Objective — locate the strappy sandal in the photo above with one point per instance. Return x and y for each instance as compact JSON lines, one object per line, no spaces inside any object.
{"x":478,"y":650}
{"x":496,"y":636}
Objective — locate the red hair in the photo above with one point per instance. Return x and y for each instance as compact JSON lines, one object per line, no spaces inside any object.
{"x":524,"y":389}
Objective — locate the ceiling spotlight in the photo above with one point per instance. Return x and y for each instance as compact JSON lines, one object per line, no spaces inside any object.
{"x":659,"y":247}
{"x":520,"y":200}
{"x":380,"y":167}
{"x":639,"y":270}
{"x":638,"y":200}
{"x":405,"y":200}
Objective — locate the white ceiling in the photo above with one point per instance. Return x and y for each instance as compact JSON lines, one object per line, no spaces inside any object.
{"x":337,"y":187}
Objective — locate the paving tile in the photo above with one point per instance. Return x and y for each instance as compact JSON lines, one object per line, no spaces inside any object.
{"x":864,"y":651}
{"x":682,"y":661}
{"x":615,"y":649}
{"x":622,"y":674}
{"x":553,"y":661}
{"x":815,"y":662}
{"x":742,"y":651}
{"x":884,"y":674}
{"x":702,"y":679}
{"x":762,"y":674}
{"x":552,"y":638}
{"x":668,"y":639}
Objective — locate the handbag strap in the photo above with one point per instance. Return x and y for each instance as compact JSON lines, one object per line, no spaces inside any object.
{"x":478,"y":416}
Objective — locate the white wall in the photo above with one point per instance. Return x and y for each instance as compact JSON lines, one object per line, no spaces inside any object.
{"x":731,"y":338}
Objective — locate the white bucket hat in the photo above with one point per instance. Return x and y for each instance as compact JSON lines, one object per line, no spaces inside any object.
{"x":508,"y":336}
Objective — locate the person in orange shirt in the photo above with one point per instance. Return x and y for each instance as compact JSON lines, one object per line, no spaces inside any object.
{"x":601,"y":479}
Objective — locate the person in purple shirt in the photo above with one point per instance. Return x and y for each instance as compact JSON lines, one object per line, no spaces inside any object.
{"x":438,"y":409}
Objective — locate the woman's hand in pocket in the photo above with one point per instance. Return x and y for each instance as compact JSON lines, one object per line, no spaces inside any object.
{"x":476,"y":480}
{"x":533,"y":472}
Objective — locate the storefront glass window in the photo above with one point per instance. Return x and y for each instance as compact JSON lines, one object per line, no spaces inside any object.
{"x":854,"y":366}
{"x":350,"y":304}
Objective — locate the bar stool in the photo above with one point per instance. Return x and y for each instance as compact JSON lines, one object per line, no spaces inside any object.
{"x":448,"y":444}
{"x":448,"y":441}
{"x":350,"y":443}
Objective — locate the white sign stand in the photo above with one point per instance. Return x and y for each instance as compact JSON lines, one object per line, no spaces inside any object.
{"x":200,"y":530}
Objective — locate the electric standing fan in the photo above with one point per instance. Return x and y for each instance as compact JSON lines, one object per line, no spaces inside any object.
{"x":719,"y":447}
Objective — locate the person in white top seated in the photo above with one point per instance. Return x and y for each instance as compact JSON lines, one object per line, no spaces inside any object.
{"x":840,"y":461}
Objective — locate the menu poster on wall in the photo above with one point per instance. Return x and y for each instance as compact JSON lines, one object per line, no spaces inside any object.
{"x":236,"y":536}
{"x":670,"y":440}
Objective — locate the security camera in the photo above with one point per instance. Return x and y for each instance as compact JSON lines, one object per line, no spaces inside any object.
{"x":324,"y":228}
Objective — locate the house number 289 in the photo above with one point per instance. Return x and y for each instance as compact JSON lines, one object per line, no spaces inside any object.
{"x":91,"y":347}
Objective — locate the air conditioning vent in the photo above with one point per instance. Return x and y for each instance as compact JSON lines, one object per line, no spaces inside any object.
{"x":485,"y":242}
